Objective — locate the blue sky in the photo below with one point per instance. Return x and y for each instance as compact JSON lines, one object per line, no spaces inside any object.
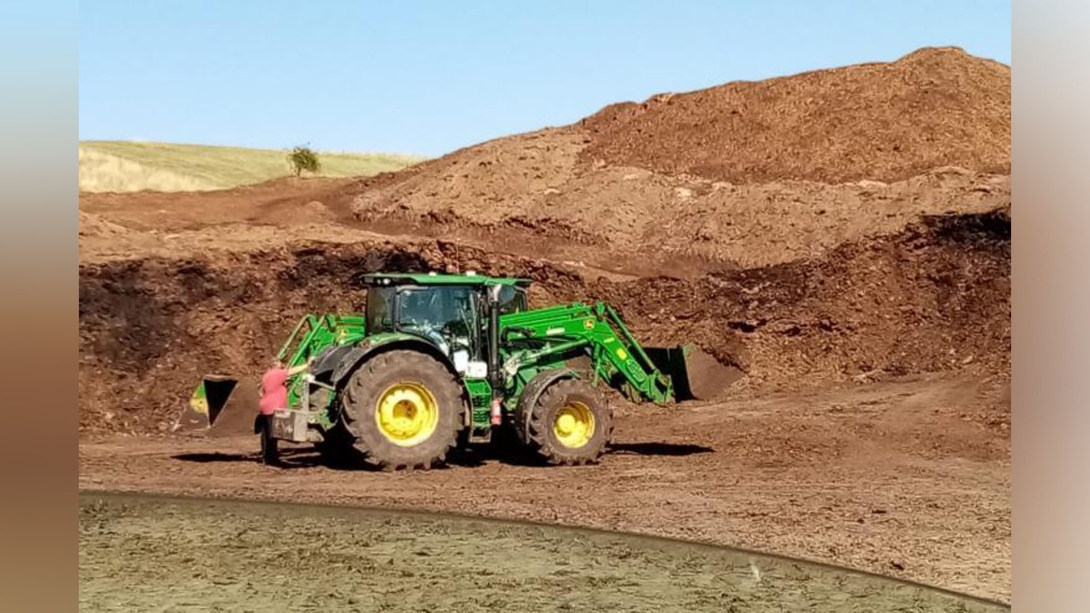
{"x":430,"y":77}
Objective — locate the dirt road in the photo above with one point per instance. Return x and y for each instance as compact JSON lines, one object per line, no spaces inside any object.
{"x":908,"y":478}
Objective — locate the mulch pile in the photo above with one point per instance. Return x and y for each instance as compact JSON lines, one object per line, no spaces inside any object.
{"x":880,"y":121}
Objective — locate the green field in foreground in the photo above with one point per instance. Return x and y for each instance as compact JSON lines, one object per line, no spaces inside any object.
{"x":146,"y":553}
{"x":125,"y":166}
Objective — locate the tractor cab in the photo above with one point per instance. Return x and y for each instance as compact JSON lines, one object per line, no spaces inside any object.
{"x":451,"y":312}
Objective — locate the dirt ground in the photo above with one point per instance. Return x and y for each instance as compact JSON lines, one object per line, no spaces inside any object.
{"x":870,"y":319}
{"x":902,"y":478}
{"x":139,"y":553}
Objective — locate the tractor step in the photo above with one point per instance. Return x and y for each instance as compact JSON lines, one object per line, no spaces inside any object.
{"x":480,"y":435}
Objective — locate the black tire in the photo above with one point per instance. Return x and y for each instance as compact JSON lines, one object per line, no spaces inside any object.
{"x":367,"y":385}
{"x":541,"y":415}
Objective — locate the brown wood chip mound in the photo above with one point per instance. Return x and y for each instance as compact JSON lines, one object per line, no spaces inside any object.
{"x":884,"y":121}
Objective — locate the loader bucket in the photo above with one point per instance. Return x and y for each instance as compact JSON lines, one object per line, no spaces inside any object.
{"x":695,"y":374}
{"x":220,"y":406}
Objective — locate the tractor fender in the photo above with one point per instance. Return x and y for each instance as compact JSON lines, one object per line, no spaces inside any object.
{"x":350,"y":360}
{"x":326,"y":362}
{"x":532,"y":392}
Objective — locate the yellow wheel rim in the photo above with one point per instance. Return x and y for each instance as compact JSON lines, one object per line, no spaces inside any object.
{"x":574,"y":425}
{"x":407,"y":414}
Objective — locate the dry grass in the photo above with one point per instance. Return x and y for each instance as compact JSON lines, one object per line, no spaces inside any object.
{"x":123,"y":166}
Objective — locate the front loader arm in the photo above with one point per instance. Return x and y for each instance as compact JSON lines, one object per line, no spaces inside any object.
{"x":313,"y":334}
{"x":540,"y":335}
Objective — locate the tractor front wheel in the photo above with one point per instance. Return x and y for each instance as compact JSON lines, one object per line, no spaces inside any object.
{"x":570,"y":423}
{"x":403,"y":409}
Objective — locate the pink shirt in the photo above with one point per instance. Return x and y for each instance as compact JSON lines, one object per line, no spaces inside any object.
{"x":274,"y":392}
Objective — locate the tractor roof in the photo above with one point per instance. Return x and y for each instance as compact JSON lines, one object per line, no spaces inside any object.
{"x":438,"y":279}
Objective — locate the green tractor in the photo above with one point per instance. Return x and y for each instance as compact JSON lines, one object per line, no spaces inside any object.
{"x":442,"y":361}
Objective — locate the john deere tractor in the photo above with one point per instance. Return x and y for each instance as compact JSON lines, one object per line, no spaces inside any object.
{"x":441,"y":361}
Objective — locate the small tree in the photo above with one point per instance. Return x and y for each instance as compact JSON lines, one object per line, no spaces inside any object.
{"x":303,"y":159}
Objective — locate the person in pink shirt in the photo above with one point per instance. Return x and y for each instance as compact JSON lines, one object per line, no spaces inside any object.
{"x":274,"y":397}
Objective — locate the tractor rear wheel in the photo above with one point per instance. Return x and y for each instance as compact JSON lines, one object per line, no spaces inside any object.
{"x":570,"y":423}
{"x":403,"y":409}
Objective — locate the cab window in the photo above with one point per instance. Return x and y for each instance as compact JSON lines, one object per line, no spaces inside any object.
{"x":512,"y":299}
